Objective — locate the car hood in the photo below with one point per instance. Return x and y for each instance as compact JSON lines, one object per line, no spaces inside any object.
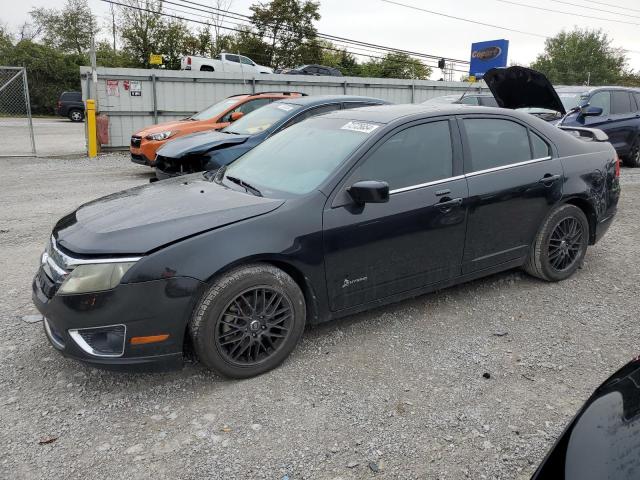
{"x":163,"y":127}
{"x":145,"y":218}
{"x":199,"y":143}
{"x":520,"y":87}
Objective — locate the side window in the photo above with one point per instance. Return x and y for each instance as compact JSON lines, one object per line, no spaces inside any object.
{"x":233,"y":58}
{"x":311,"y":70}
{"x":469,"y":100}
{"x":602,"y":100}
{"x":620,"y":102}
{"x":416,"y":155}
{"x":347,"y":105}
{"x":312,"y":112}
{"x":541,"y":148}
{"x":246,"y":61}
{"x":247,"y":107}
{"x":488,"y":102}
{"x":496,"y":143}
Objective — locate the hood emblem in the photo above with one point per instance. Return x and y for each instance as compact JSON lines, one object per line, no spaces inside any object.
{"x":348,"y":283}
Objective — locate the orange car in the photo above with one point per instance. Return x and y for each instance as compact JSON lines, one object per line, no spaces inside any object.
{"x":147,"y":141}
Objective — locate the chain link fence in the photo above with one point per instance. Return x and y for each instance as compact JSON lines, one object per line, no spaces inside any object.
{"x":16,"y":125}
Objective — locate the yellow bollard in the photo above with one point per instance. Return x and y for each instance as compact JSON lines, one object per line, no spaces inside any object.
{"x":92,"y":134}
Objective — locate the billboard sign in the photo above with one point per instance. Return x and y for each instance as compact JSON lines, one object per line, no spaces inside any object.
{"x":488,"y":55}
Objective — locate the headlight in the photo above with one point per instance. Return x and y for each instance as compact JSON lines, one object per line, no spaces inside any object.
{"x":94,"y":277}
{"x":161,"y":135}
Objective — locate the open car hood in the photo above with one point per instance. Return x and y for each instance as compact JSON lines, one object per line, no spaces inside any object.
{"x":520,"y":87}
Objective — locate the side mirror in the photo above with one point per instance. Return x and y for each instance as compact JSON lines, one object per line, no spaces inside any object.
{"x":236,"y":116}
{"x":369,"y":191}
{"x":588,"y":111}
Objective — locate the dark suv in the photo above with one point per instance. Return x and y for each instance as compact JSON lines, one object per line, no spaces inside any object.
{"x":615,"y":110}
{"x":71,"y":105}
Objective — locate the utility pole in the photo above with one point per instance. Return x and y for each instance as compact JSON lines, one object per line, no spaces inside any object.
{"x":113,"y":25}
{"x":94,"y":71}
{"x":588,"y":78}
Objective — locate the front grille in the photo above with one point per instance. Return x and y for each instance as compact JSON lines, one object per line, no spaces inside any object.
{"x":136,"y":141}
{"x":101,"y":341}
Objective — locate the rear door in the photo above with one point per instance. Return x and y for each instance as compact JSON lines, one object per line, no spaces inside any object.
{"x":623,"y":123}
{"x":514,"y":180}
{"x":415,"y":239}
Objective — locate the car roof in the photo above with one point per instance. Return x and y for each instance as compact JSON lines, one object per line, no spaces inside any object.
{"x":590,"y":89}
{"x":320,"y":99}
{"x":389,"y":113}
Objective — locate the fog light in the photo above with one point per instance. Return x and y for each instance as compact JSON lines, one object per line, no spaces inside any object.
{"x":101,"y":341}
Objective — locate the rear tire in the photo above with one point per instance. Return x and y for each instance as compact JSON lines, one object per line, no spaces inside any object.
{"x":633,"y":159}
{"x":560,"y":245}
{"x":76,"y":115}
{"x":248,"y":321}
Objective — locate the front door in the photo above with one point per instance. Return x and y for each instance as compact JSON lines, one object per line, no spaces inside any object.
{"x":514,"y":180}
{"x":417,"y":238}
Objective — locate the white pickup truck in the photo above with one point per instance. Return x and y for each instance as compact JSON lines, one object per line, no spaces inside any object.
{"x":225,"y":62}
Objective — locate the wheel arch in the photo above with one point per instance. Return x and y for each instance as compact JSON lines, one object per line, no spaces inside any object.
{"x":590,"y":213}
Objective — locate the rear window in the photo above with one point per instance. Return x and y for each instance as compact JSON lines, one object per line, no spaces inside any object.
{"x":496,"y":143}
{"x":71,"y":96}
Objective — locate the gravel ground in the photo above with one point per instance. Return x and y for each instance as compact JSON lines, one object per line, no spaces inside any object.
{"x":397,"y":392}
{"x":54,"y":136}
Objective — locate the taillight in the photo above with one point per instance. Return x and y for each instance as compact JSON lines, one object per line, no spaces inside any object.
{"x":188,"y":60}
{"x":617,"y":172}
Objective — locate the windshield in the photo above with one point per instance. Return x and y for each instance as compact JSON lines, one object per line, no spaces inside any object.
{"x":572,"y":99}
{"x":261,"y":119}
{"x":215,"y":109}
{"x":301,"y":157}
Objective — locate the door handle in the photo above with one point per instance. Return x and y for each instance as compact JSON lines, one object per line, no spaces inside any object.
{"x":548,"y":179}
{"x":446,"y":205}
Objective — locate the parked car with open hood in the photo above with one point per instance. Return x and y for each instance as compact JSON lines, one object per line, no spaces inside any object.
{"x":614,"y":110}
{"x":211,"y":150}
{"x":146,"y":142}
{"x":334,"y":215}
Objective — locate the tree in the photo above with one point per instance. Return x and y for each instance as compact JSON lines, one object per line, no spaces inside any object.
{"x":141,"y":28}
{"x":396,"y":65}
{"x":173,"y":39}
{"x":285,"y":25}
{"x":580,"y":56}
{"x":70,"y":29}
{"x":248,"y":43}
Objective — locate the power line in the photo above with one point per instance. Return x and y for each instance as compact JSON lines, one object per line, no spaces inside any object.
{"x":596,"y":9}
{"x":610,"y":5}
{"x":572,"y":14}
{"x":412,"y":7}
{"x":324,"y":36}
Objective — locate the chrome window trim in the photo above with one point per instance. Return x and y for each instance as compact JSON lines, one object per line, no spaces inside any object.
{"x":426,"y":184}
{"x":74,"y":262}
{"x":504,"y":167}
{"x":75,"y":335}
{"x":472,"y":174}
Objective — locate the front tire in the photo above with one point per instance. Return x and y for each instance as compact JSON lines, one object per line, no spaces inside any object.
{"x":248,"y":321}
{"x":560,"y":245}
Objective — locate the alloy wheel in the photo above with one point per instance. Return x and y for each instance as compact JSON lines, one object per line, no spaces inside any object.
{"x":76,"y":116}
{"x":254,"y":326}
{"x":565,"y":243}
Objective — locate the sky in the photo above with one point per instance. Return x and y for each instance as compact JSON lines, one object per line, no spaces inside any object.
{"x":388,"y":24}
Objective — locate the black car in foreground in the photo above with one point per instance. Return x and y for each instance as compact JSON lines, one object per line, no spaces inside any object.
{"x":332,"y":216}
{"x":211,"y":149}
{"x":70,"y":105}
{"x":603,"y":439}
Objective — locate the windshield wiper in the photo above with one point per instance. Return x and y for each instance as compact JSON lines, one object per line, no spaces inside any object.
{"x":244,"y":184}
{"x":214,"y":175}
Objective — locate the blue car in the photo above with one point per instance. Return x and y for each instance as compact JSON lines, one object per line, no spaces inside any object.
{"x":210,"y":150}
{"x":614,"y":110}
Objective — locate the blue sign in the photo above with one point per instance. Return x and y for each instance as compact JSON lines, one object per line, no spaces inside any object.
{"x":488,"y":55}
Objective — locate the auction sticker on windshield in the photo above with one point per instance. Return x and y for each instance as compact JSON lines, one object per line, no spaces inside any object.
{"x":362,"y":127}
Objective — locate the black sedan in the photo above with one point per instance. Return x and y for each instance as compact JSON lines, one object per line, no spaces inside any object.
{"x":211,"y":150}
{"x":334,"y":215}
